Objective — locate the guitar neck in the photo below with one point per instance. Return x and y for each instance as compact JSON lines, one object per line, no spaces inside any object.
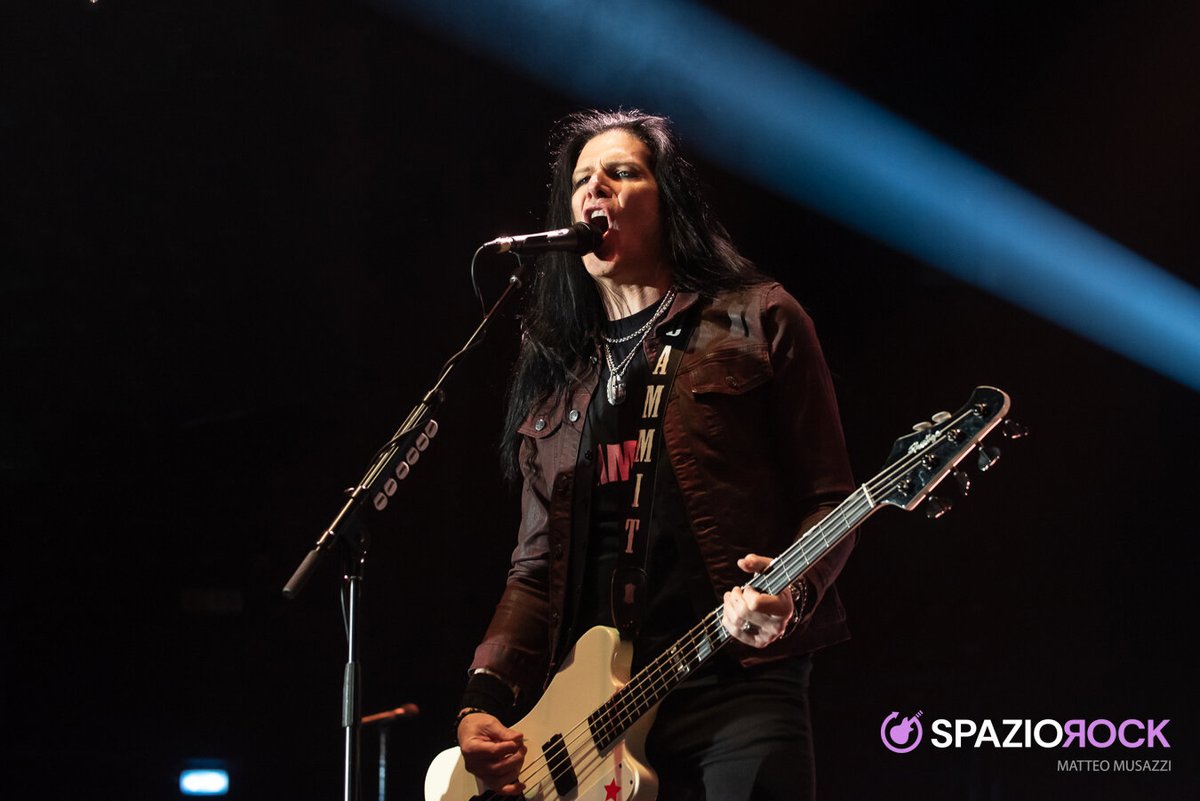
{"x":693,"y":649}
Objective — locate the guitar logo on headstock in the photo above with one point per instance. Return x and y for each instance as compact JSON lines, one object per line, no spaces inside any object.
{"x":921,"y":443}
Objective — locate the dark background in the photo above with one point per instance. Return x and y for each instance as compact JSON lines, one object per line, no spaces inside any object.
{"x":237,"y":249}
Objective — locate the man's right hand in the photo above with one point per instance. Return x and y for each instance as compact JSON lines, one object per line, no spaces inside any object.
{"x":492,"y":752}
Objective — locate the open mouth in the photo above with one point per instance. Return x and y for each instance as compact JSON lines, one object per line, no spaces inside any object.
{"x":598,"y":219}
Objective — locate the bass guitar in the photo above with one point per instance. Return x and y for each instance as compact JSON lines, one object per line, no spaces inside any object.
{"x":586,"y":734}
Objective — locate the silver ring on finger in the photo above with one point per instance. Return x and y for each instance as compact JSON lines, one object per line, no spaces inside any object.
{"x":750,"y":628}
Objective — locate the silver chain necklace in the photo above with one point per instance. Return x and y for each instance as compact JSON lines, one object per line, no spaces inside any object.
{"x":616,"y":372}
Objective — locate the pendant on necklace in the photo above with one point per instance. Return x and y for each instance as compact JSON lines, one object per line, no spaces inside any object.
{"x":616,"y":390}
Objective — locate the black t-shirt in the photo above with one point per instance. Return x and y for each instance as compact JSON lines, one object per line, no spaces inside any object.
{"x":677,"y":590}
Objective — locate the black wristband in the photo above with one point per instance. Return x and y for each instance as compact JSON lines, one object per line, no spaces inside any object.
{"x":487,"y":693}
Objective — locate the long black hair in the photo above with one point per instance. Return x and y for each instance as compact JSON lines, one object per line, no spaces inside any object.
{"x":564,"y":314}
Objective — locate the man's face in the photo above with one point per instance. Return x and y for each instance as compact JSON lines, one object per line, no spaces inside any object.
{"x":613,"y":178}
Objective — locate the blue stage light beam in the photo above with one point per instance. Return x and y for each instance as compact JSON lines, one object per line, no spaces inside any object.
{"x":763,"y":114}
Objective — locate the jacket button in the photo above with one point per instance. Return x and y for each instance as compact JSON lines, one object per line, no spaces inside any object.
{"x":731,"y":381}
{"x":558,"y":550}
{"x":554,"y":617}
{"x":573,"y":415}
{"x":540,"y":424}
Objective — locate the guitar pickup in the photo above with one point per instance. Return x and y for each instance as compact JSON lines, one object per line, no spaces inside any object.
{"x":558,"y":760}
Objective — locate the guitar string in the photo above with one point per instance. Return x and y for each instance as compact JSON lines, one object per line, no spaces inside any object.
{"x":801,"y":554}
{"x":817,"y":541}
{"x":661,"y":672}
{"x":665,"y":670}
{"x":654,"y":681}
{"x":660,"y":675}
{"x":637,"y":698}
{"x":649,"y":683}
{"x":791,"y":562}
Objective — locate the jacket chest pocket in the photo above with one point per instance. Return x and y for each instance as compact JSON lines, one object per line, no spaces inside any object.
{"x":554,"y":431}
{"x":548,"y":420}
{"x":729,"y":371}
{"x":724,"y":403}
{"x":542,"y":424}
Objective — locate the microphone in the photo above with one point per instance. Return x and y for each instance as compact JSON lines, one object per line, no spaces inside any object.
{"x":404,"y":711}
{"x":580,"y":238}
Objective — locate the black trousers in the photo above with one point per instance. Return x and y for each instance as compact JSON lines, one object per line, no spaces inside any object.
{"x":745,"y":737}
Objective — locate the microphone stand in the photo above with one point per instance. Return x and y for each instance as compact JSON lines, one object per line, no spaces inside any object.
{"x":384,"y":722}
{"x":350,"y":528}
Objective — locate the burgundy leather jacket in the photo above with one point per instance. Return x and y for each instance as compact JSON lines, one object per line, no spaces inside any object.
{"x":753,"y":433}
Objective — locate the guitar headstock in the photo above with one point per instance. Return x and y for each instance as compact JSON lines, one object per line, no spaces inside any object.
{"x":921,"y":460}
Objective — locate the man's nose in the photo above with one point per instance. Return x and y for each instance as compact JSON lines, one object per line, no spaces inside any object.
{"x":597,"y":187}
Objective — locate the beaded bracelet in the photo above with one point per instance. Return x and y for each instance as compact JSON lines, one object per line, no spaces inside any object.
{"x":462,"y":713}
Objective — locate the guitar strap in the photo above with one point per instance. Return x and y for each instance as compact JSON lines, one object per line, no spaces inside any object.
{"x":628,"y":593}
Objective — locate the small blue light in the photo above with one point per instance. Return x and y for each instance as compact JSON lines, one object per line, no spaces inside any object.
{"x":208,"y":781}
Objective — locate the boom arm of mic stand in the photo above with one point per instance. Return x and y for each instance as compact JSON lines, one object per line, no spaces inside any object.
{"x":379,"y":483}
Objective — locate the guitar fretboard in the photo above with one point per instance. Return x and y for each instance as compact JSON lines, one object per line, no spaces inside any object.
{"x":920,"y":461}
{"x":653,"y":682}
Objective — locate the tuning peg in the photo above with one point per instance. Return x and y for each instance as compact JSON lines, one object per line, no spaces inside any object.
{"x":988,"y":456}
{"x":941,"y":417}
{"x":1014,"y":430}
{"x":935,"y":507}
{"x":922,"y":426}
{"x":964,"y":481}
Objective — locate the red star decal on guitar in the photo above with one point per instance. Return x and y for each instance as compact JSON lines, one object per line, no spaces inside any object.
{"x":612,"y":791}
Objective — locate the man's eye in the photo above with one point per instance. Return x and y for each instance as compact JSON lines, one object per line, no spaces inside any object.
{"x":624,"y":173}
{"x":581,"y":180}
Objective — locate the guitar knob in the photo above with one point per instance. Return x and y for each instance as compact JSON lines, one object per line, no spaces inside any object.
{"x":988,"y":456}
{"x":935,"y":507}
{"x":1014,"y":430}
{"x":923,"y":426}
{"x":964,"y":481}
{"x":941,"y":417}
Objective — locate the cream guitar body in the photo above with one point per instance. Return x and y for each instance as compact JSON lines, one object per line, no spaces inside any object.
{"x":563,"y":759}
